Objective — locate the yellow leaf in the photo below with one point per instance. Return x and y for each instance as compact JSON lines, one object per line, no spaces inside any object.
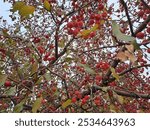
{"x":36,"y":105}
{"x":47,"y":5}
{"x":115,"y":75}
{"x":17,"y":6}
{"x":84,"y":33}
{"x":34,"y":67}
{"x":94,"y":28}
{"x":120,"y":99}
{"x":66,"y":103}
{"x":112,"y":108}
{"x":61,"y":43}
{"x":26,"y":10}
{"x":102,"y":22}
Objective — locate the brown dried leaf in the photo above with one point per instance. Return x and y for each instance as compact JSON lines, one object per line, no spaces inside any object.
{"x":131,"y":56}
{"x":130,"y":48}
{"x":121,"y":56}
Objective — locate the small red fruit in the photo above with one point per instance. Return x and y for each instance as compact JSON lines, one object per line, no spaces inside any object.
{"x":36,"y":40}
{"x":87,"y":97}
{"x":141,"y":13}
{"x":97,"y":17}
{"x":43,"y":101}
{"x":91,"y":21}
{"x":147,"y":11}
{"x":104,"y":14}
{"x":7,"y":83}
{"x":74,"y":100}
{"x":75,"y":32}
{"x":98,"y":78}
{"x":140,"y":35}
{"x":54,"y":89}
{"x":80,"y":24}
{"x":148,"y":50}
{"x":92,"y":34}
{"x":83,"y":101}
{"x":41,"y":49}
{"x":148,"y":30}
{"x":70,"y":25}
{"x":77,"y":92}
{"x":47,"y":36}
{"x":100,"y":6}
{"x":51,"y":58}
{"x":97,"y":102}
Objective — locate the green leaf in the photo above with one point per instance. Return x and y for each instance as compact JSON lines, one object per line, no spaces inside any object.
{"x":115,"y":75}
{"x":47,"y":76}
{"x":47,"y":5}
{"x":39,"y":80}
{"x":3,"y":78}
{"x":66,"y":103}
{"x":87,"y":68}
{"x":26,"y":10}
{"x":136,"y":45}
{"x":119,"y":35}
{"x":17,"y":6}
{"x":11,"y":91}
{"x":18,"y":108}
{"x":36,"y":105}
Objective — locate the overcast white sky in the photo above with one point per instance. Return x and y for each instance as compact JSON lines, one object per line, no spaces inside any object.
{"x":4,"y":10}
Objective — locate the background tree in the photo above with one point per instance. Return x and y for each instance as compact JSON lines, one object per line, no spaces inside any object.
{"x":75,"y":56}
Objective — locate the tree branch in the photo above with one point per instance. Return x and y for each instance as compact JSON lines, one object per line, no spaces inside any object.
{"x":128,"y":17}
{"x":119,"y":92}
{"x":126,"y":71}
{"x":143,"y":25}
{"x":145,"y":4}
